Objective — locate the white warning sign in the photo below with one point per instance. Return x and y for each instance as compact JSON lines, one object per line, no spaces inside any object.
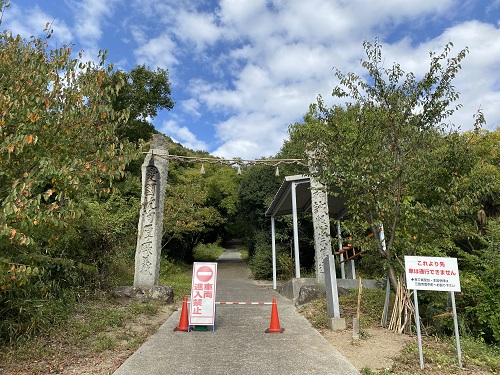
{"x":203,"y":288}
{"x":432,"y":273}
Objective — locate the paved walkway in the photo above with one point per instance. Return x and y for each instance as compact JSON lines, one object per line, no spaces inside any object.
{"x":239,"y":344}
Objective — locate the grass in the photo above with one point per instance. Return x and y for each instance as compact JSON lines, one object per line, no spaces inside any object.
{"x":440,"y":357}
{"x":372,"y":303}
{"x":178,"y":275}
{"x":440,"y":354}
{"x":244,"y":253}
{"x":99,"y":324}
{"x":208,"y":253}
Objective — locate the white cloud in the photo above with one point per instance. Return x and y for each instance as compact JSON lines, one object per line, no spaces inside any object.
{"x":191,"y":106}
{"x":299,"y":62}
{"x":182,"y":135}
{"x":28,"y":22}
{"x":250,"y":135}
{"x":157,"y":52}
{"x":289,"y":52}
{"x":139,"y":34}
{"x":89,"y":18}
{"x":251,"y":67}
{"x":477,"y":82}
{"x":320,"y":21}
{"x":198,"y":28}
{"x":243,"y":15}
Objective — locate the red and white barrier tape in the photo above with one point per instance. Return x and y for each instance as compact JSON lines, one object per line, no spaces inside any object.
{"x":239,"y":303}
{"x":243,"y":303}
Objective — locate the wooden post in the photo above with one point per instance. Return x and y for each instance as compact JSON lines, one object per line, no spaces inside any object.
{"x":360,"y":289}
{"x":355,"y":321}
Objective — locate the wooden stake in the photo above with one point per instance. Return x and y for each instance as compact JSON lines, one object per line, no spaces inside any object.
{"x":360,"y":288}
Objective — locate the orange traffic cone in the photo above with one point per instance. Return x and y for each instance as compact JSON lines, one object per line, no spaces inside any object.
{"x":275,"y":320}
{"x":183,"y":321}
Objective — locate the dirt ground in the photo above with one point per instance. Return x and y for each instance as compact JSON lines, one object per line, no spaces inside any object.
{"x":107,"y":362}
{"x":375,"y":349}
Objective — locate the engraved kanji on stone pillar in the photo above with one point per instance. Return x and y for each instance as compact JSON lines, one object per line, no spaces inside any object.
{"x":150,"y":227}
{"x":321,"y":223}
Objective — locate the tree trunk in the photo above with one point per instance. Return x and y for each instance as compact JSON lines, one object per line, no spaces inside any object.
{"x":386,"y":253}
{"x":392,"y":277}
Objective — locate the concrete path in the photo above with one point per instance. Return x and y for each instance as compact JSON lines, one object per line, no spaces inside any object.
{"x":239,"y":344}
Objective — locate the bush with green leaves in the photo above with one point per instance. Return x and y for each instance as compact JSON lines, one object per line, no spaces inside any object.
{"x":485,"y":289}
{"x":478,"y":303}
{"x":59,"y":150}
{"x":261,"y":262}
{"x":33,"y":298}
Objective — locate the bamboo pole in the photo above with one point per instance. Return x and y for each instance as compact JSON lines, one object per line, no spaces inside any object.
{"x":360,"y":289}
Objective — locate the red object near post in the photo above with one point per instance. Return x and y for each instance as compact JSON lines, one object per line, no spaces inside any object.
{"x":274,"y":327}
{"x":183,"y":321}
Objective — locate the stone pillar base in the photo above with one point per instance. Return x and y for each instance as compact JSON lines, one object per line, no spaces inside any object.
{"x":355,"y":328}
{"x":337,"y":324}
{"x":162,"y":293}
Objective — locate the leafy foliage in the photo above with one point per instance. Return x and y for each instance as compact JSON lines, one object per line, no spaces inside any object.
{"x":68,"y":208}
{"x":258,"y":187}
{"x":378,"y":149}
{"x":197,"y":207}
{"x":58,"y":138}
{"x":105,"y":237}
{"x":261,"y":262}
{"x":58,"y":147}
{"x":481,"y":300}
{"x":142,"y":92}
{"x":435,"y":192}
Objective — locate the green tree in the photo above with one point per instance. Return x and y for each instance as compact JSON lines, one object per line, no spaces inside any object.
{"x":58,"y":146}
{"x":58,"y":137}
{"x":143,"y":93}
{"x":477,"y":235}
{"x":379,"y":146}
{"x":258,"y":187}
{"x":482,"y":183}
{"x":198,"y":207}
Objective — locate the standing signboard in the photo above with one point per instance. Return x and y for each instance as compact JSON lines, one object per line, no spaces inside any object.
{"x":435,"y":274}
{"x":203,"y":288}
{"x":432,"y":273}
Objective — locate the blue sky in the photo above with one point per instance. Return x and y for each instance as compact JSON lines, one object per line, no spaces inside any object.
{"x":242,"y":70}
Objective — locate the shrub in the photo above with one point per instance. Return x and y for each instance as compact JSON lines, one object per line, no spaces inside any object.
{"x":478,"y":304}
{"x":261,"y":262}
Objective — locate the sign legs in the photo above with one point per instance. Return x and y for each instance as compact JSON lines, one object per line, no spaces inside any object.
{"x":419,"y":335}
{"x":457,"y":335}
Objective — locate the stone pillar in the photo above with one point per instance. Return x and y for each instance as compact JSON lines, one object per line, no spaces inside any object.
{"x":332,"y":297}
{"x":150,"y":227}
{"x":321,"y":222}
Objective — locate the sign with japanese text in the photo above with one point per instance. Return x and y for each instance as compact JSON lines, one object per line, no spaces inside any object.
{"x":202,"y":310}
{"x":432,"y":273}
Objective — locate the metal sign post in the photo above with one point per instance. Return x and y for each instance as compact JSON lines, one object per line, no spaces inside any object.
{"x":419,"y":336}
{"x":437,"y":274}
{"x":455,"y":323}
